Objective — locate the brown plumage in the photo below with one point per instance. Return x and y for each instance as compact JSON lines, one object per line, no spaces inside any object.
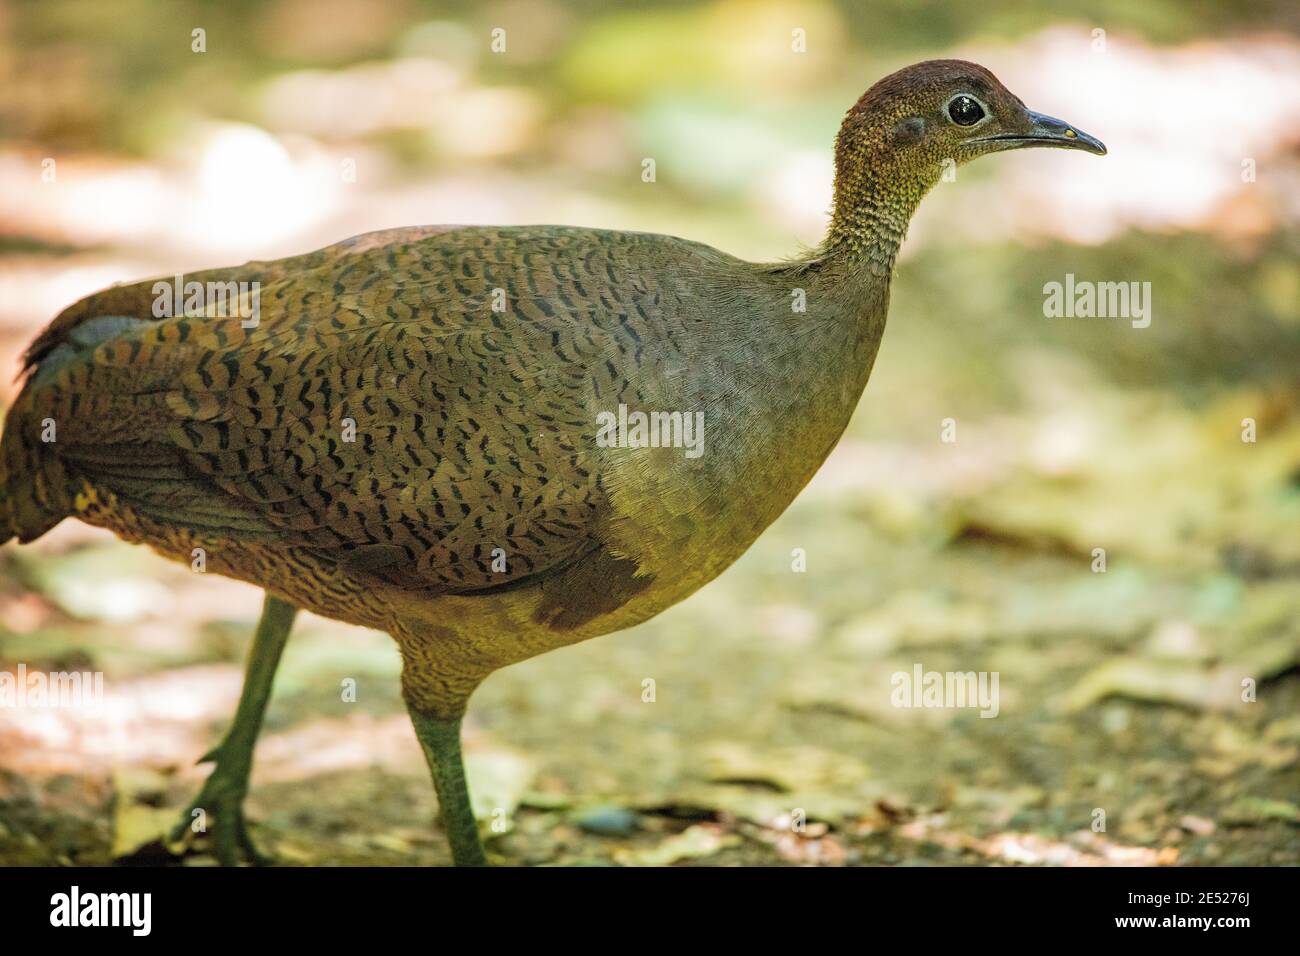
{"x":387,"y":448}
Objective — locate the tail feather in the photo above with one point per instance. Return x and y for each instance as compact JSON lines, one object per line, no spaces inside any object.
{"x":35,"y":484}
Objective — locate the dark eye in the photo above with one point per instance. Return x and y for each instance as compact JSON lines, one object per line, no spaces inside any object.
{"x":964,"y":111}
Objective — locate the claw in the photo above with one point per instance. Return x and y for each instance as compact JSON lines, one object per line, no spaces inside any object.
{"x":222,"y":801}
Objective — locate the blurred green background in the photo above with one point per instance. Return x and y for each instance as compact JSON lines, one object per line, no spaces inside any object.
{"x":124,"y":153}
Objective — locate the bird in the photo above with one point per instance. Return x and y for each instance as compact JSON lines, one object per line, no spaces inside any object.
{"x":452,"y":433}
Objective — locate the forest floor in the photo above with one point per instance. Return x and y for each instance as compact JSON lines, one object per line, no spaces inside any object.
{"x":760,"y":712}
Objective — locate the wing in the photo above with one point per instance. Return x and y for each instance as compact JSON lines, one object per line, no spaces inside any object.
{"x":420,"y":410}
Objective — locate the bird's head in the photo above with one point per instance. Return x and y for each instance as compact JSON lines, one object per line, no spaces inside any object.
{"x":908,"y":129}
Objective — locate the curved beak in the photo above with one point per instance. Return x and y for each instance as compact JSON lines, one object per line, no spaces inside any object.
{"x":1047,"y":131}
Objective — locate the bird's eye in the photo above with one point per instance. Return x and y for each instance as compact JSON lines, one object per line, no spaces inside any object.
{"x":964,"y":111}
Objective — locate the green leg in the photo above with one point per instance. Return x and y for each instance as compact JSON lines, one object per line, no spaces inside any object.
{"x":441,"y":742}
{"x":222,"y":798}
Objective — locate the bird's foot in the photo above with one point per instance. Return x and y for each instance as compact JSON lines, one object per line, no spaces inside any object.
{"x":218,"y":813}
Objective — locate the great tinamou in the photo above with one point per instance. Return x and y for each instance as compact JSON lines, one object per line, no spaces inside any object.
{"x":433,"y":431}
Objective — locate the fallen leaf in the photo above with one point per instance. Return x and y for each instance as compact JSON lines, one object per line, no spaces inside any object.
{"x":701,"y":840}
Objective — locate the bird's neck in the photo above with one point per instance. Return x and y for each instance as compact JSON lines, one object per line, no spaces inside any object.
{"x":874,"y":202}
{"x":823,"y":358}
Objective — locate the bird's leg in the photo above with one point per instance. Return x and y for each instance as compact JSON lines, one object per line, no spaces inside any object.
{"x":440,"y":739}
{"x":222,"y":796}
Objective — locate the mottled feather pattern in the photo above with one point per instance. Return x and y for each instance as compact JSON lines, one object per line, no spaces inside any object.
{"x":474,"y":428}
{"x":466,"y":439}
